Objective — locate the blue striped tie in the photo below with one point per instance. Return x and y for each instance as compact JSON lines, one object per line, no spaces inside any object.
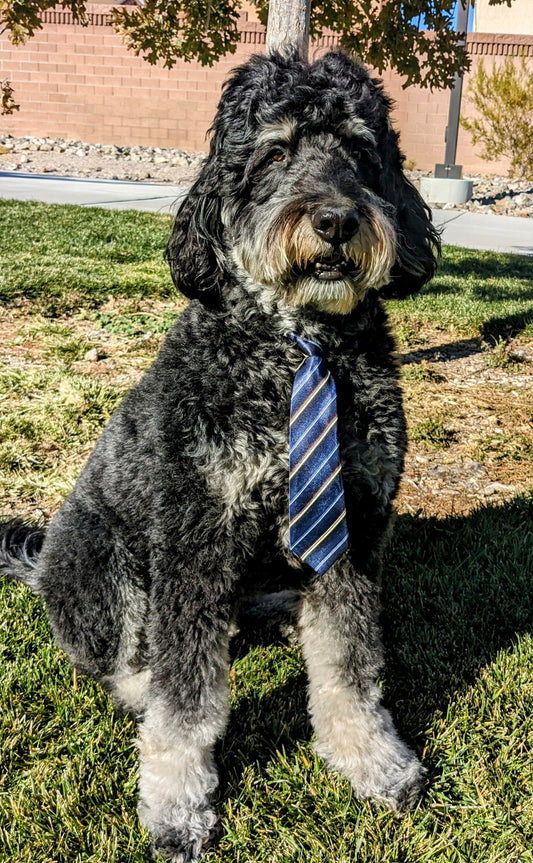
{"x":317,"y":532}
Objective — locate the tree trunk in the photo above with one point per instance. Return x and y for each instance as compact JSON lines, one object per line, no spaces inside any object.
{"x":288,"y":25}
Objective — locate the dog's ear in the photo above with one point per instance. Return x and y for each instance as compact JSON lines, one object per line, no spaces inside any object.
{"x":195,"y":251}
{"x":418,"y":239}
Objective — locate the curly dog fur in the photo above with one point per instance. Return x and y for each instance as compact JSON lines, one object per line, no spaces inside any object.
{"x":300,"y":221}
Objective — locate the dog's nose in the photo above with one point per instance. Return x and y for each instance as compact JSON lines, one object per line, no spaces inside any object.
{"x":335,"y":224}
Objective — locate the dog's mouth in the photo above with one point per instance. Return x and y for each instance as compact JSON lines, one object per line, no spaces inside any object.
{"x":328,"y":269}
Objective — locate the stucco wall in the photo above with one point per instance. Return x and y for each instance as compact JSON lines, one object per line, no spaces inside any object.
{"x":517,"y":18}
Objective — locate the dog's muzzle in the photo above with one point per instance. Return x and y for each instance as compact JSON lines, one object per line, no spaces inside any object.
{"x":335,"y":225}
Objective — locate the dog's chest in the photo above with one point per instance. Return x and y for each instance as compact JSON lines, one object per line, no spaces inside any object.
{"x":250,"y":472}
{"x":245,"y":460}
{"x":247,"y":465}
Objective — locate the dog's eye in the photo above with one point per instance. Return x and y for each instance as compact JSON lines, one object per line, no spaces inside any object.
{"x":278,"y":155}
{"x":365,"y":156}
{"x":358,"y":153}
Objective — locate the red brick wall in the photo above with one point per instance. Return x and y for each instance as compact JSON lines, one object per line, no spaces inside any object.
{"x":82,"y":83}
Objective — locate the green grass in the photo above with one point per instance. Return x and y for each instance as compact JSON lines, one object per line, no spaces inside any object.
{"x":62,"y":258}
{"x":134,"y":323}
{"x":474,"y":293}
{"x":458,"y":593}
{"x":56,"y":419}
{"x":433,"y":433}
{"x":65,"y":257}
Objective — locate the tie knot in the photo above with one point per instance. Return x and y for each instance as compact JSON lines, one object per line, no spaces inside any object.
{"x":312,"y":349}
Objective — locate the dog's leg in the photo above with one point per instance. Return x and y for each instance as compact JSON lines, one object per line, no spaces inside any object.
{"x":338,"y":624}
{"x":178,"y":777}
{"x":187,"y":707}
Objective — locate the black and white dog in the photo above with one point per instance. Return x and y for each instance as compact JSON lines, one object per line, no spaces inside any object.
{"x":301,"y":221}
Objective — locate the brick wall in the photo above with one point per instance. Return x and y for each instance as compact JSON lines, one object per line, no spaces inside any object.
{"x":422,"y":115}
{"x":82,"y":83}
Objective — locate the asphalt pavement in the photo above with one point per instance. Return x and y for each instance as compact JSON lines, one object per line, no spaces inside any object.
{"x":459,"y":227}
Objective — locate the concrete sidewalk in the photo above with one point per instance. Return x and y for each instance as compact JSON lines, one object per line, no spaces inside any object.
{"x":460,"y":228}
{"x":485,"y":231}
{"x":110,"y":194}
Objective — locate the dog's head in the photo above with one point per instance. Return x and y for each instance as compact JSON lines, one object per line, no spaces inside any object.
{"x":303,"y":191}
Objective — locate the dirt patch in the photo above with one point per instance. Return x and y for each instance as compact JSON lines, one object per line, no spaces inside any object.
{"x":469,"y":409}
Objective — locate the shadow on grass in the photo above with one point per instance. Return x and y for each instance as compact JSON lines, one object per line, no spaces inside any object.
{"x":505,"y":327}
{"x":455,"y":592}
{"x":442,"y":353}
{"x":491,"y":332}
{"x":487,"y":266}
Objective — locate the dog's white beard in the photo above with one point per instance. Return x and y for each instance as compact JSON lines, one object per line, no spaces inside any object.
{"x":337,"y":297}
{"x":271,"y":263}
{"x":373,"y":250}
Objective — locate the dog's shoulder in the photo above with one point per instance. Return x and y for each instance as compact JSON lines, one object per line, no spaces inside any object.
{"x":214,"y":375}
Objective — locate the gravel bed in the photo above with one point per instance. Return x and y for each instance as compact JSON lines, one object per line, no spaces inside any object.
{"x":492,"y":194}
{"x":98,"y":161}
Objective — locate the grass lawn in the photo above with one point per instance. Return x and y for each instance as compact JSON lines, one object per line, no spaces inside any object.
{"x":86,"y":298}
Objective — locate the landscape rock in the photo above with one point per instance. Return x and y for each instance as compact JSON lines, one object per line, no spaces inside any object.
{"x":106,"y":161}
{"x":491,"y":194}
{"x":92,"y":355}
{"x":500,"y":195}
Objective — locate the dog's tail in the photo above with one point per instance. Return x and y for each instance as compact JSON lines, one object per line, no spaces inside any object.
{"x":20,"y":546}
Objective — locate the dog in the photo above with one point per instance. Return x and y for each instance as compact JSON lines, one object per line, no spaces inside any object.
{"x":300,"y":222}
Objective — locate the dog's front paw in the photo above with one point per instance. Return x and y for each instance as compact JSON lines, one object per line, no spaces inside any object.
{"x":397,"y":784}
{"x":185,"y":840}
{"x":177,"y":783}
{"x":367,"y":749}
{"x":179,"y":845}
